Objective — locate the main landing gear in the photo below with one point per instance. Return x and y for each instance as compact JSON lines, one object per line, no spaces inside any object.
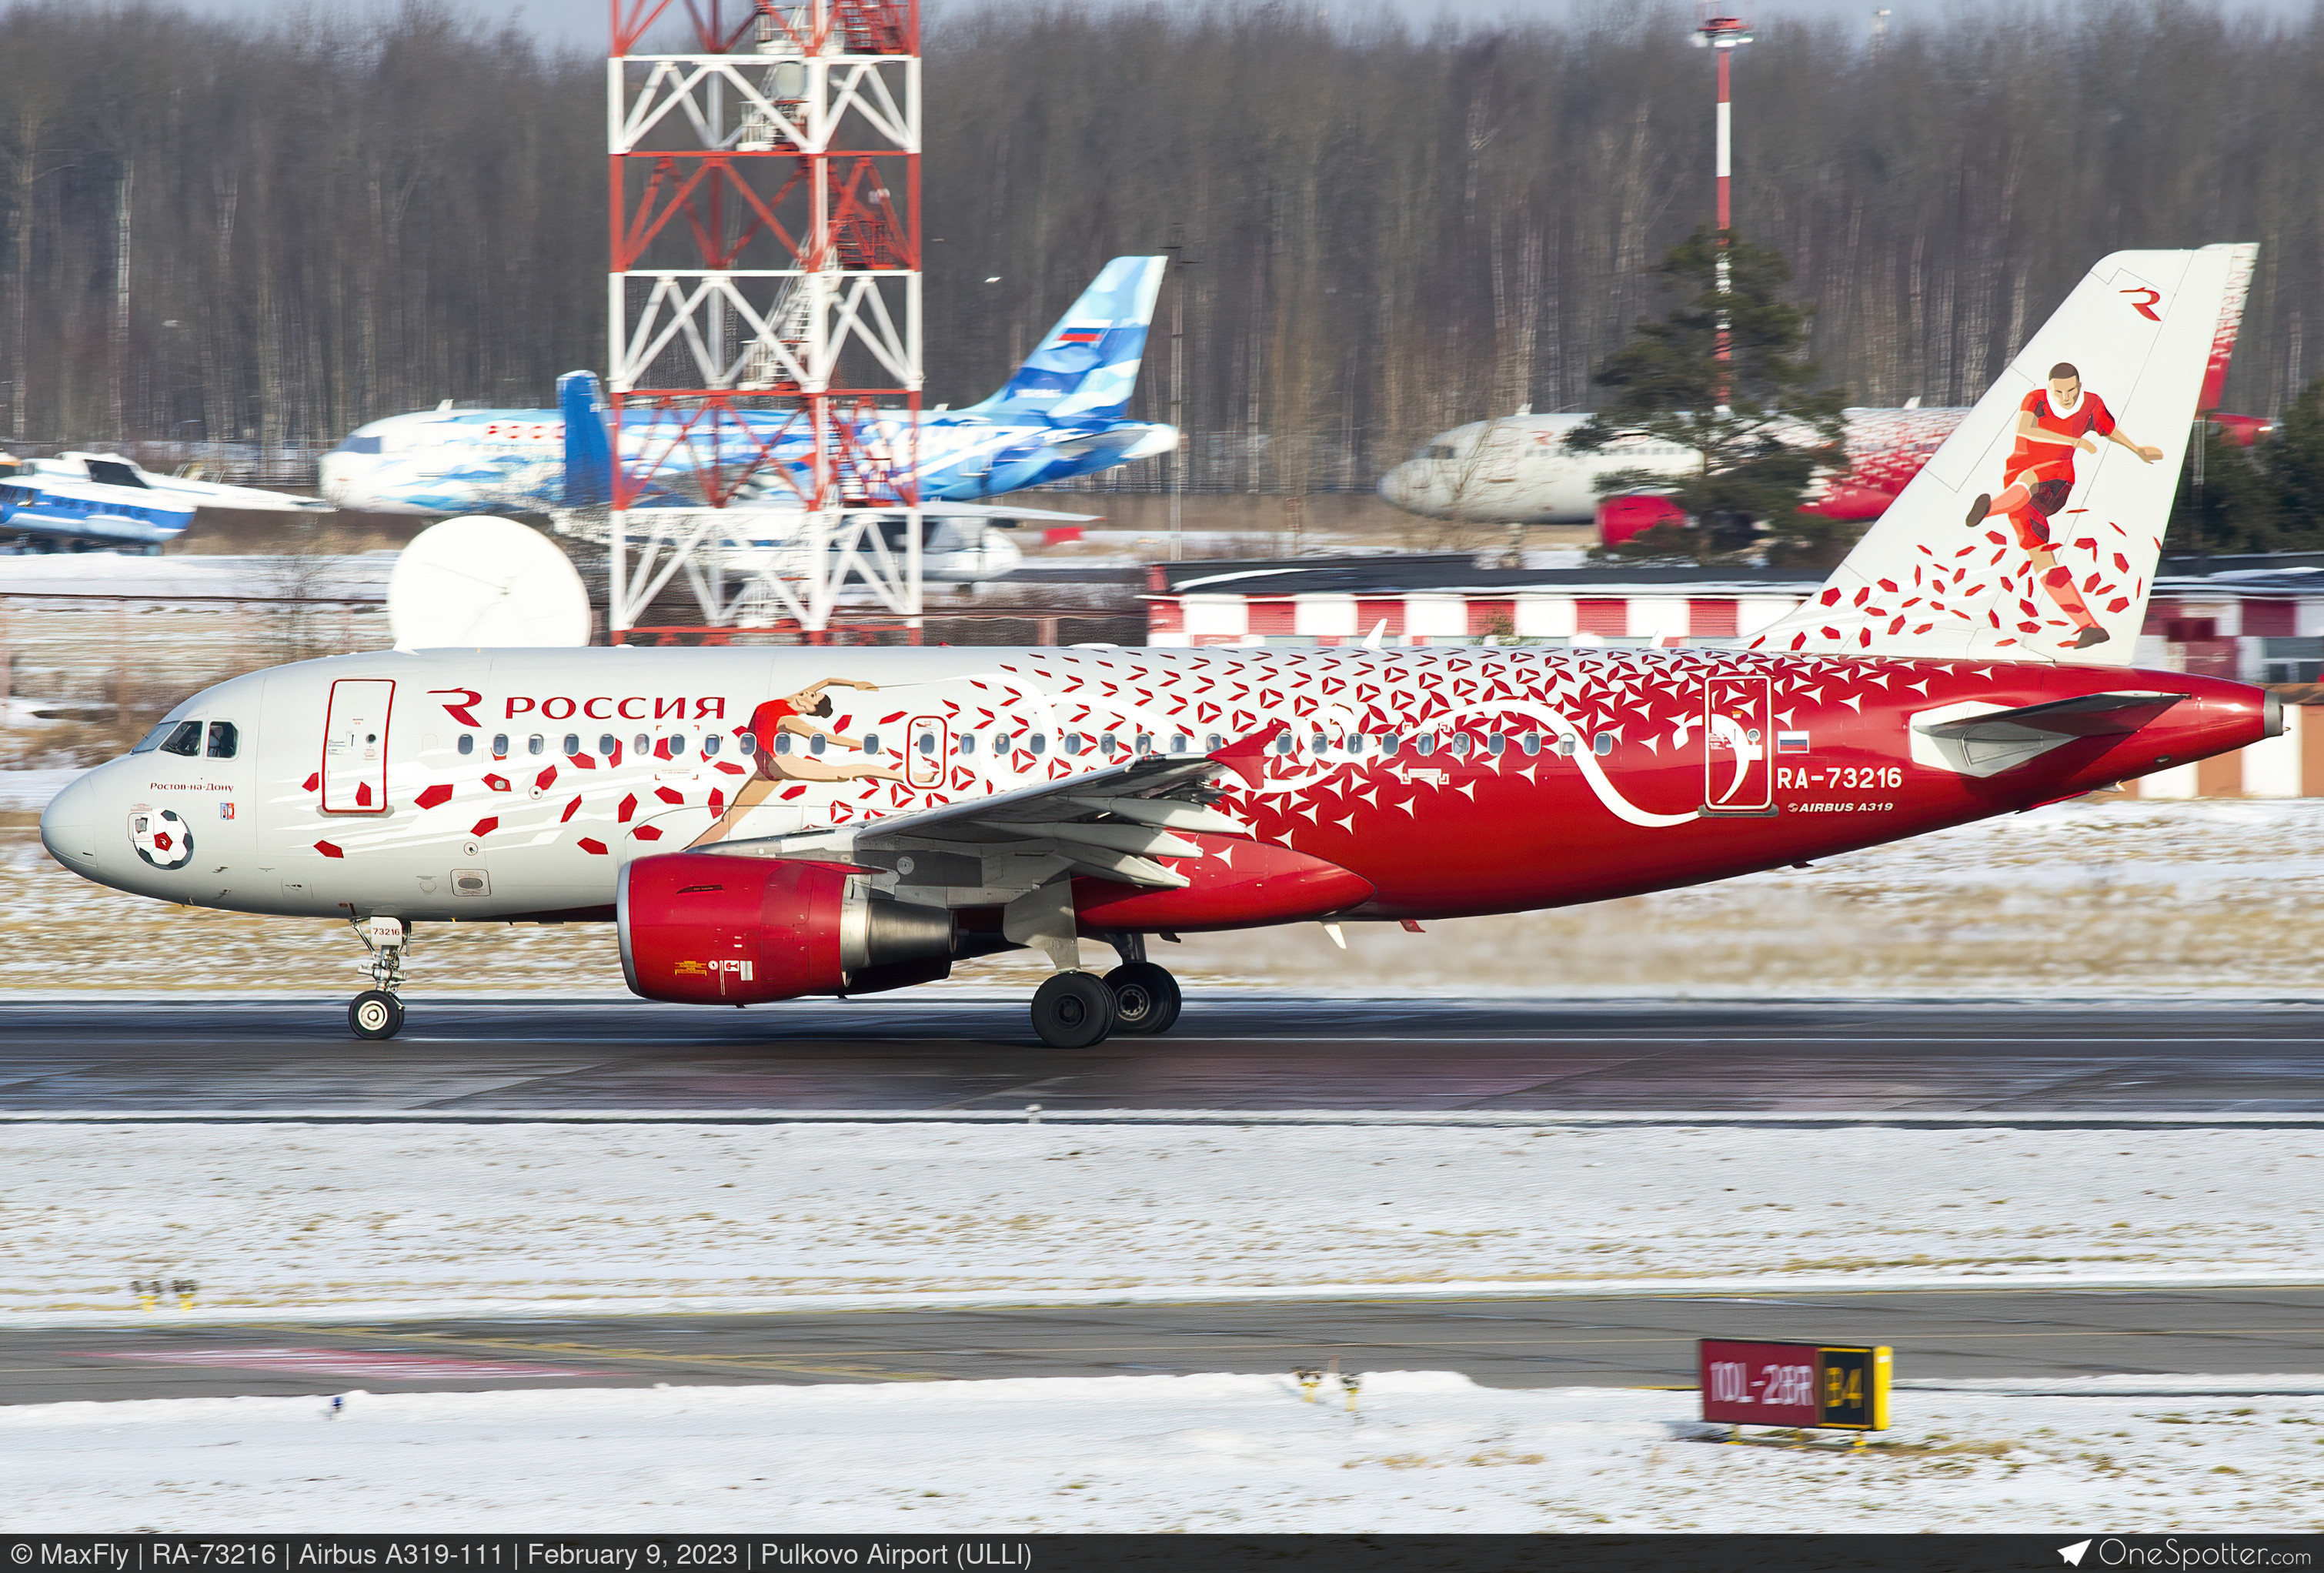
{"x":1074,"y":1010}
{"x":376,"y":1013}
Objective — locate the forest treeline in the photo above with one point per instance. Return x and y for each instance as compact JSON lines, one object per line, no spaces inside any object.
{"x":272,"y":233}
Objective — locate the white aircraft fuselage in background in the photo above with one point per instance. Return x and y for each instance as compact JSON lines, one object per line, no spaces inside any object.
{"x":1517,"y":469}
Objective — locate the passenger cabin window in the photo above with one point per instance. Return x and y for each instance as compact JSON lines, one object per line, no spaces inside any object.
{"x":870,"y":743}
{"x":782,"y":742}
{"x":1602,"y":743}
{"x":1459,"y":744}
{"x":1389,"y":743}
{"x":607,"y":743}
{"x":535,"y":744}
{"x":748,"y":742}
{"x":1423,"y":742}
{"x":1497,"y":745}
{"x":641,"y":744}
{"x":1071,"y":743}
{"x":927,"y":745}
{"x":499,"y":745}
{"x":186,"y":739}
{"x":816,"y":743}
{"x":710,"y":743}
{"x":1036,"y":742}
{"x":467,"y":744}
{"x":967,"y":743}
{"x":223,"y":738}
{"x":1530,"y":742}
{"x":572,"y":743}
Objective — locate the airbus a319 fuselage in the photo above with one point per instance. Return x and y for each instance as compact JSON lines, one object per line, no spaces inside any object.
{"x":446,"y":786}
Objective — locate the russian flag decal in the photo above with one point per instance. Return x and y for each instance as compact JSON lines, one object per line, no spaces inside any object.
{"x":1791,"y":743}
{"x":1081,"y":336}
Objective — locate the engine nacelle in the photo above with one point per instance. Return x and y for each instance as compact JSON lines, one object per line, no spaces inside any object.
{"x":701,"y":929}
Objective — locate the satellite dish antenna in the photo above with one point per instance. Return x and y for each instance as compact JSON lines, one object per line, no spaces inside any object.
{"x":480,"y":581}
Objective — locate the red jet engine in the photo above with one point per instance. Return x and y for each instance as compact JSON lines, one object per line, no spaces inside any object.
{"x":701,"y":929}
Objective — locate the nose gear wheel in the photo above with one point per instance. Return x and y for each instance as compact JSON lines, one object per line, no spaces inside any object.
{"x":375,"y":1014}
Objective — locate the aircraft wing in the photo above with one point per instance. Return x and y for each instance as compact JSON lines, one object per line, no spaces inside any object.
{"x":1112,"y":823}
{"x":992,"y":511}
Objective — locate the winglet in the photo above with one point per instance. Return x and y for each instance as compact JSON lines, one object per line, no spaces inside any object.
{"x":1247,"y":756}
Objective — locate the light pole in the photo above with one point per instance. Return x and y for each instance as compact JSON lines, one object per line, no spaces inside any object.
{"x":1182,"y":256}
{"x":1724,"y":34}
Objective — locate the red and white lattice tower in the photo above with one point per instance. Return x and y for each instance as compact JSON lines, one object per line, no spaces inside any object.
{"x":764,"y":329}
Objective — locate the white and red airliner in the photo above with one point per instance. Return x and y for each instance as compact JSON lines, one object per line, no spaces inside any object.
{"x":764,"y":824}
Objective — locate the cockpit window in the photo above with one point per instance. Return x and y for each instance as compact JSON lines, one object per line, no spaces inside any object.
{"x":185,"y":738}
{"x":113,"y":473}
{"x":360,"y":445}
{"x":152,"y":740}
{"x":222,"y":739}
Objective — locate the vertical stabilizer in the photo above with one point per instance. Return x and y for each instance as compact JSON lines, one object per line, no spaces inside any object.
{"x":2034,"y":532}
{"x":1086,"y":366}
{"x":589,"y":450}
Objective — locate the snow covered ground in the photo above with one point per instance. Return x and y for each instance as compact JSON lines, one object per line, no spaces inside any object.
{"x":1425,"y":1452}
{"x":2097,"y":898}
{"x":106,"y":573}
{"x":419,"y":1219}
{"x":29,"y":791}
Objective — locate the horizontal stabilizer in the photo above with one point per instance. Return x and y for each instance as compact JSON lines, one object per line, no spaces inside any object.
{"x":1989,"y":742}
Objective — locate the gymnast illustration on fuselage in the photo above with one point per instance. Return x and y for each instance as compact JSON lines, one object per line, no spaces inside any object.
{"x":789,"y":738}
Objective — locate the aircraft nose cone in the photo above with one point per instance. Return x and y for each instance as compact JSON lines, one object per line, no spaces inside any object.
{"x":68,"y":825}
{"x":1402,"y":486}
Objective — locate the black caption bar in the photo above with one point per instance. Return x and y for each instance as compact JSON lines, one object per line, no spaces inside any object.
{"x":1008,"y":1553}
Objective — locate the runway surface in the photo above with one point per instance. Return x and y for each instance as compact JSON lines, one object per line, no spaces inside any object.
{"x":1615,"y":1342}
{"x":1233,"y":1051}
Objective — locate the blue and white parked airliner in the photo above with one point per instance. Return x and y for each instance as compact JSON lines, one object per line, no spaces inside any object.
{"x":1062,"y":414}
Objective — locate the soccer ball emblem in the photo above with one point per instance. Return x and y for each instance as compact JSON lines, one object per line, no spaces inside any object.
{"x":160,"y":837}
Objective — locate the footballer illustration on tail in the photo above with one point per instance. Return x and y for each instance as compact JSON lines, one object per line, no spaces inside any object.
{"x":2085,"y":432}
{"x":2054,"y":422}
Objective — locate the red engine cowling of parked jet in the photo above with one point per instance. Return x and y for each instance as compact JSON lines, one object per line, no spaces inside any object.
{"x":1236,"y":884}
{"x":701,"y":929}
{"x":1626,"y":514}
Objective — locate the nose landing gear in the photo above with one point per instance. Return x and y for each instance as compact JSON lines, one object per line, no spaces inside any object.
{"x":376,"y":1013}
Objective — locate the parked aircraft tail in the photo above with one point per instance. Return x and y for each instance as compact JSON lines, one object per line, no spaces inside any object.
{"x":588,"y":446}
{"x":2033,"y":534}
{"x":1086,"y":366}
